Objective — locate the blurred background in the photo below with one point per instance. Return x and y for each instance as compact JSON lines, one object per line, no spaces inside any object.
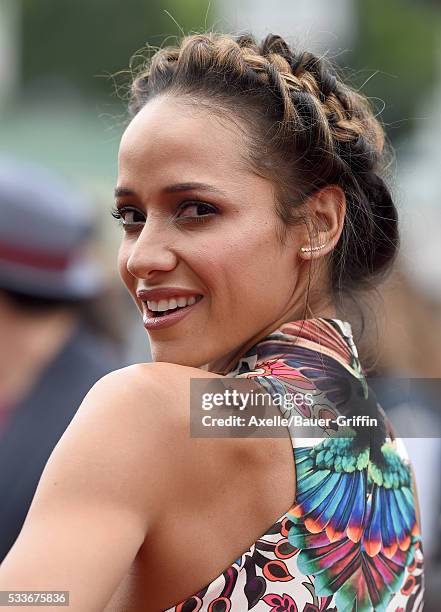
{"x":62,"y":105}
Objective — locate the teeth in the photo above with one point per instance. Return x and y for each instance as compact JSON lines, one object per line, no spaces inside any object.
{"x":172,"y":303}
{"x":162,"y":305}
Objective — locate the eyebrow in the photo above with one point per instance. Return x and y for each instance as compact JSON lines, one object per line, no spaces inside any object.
{"x":176,"y":188}
{"x":123,"y":191}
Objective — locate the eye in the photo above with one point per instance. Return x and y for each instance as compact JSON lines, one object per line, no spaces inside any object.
{"x":196,"y":211}
{"x":127,"y":217}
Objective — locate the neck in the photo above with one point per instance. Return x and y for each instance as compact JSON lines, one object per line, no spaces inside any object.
{"x":224,"y":364}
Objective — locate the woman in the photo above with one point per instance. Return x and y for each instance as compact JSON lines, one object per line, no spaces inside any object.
{"x":250,"y":194}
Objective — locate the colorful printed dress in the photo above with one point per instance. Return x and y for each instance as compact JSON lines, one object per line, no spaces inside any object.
{"x":351,"y":541}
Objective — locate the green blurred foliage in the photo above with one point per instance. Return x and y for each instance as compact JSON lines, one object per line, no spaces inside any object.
{"x":82,"y":39}
{"x":394,"y":56}
{"x":401,"y":40}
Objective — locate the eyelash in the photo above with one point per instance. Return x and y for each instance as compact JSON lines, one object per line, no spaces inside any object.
{"x":118,"y":213}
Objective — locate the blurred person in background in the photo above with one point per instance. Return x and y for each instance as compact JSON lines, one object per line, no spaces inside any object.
{"x":409,"y":370}
{"x":54,"y":344}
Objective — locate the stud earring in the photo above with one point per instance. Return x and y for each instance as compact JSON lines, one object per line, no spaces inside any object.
{"x":316,"y":248}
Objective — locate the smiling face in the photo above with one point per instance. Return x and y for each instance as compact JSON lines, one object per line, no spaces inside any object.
{"x":214,"y":244}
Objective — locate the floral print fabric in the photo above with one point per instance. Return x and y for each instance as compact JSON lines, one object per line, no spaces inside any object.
{"x":351,"y":541}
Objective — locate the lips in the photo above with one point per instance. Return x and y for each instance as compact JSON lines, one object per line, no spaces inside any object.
{"x":154,"y":320}
{"x":166,"y":300}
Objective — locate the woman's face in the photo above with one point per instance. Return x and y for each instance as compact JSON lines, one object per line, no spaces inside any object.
{"x":200,"y":222}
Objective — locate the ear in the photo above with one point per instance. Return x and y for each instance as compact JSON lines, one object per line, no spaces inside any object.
{"x":326,"y":211}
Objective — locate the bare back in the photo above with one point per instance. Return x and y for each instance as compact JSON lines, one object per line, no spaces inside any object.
{"x":135,"y":514}
{"x":222,"y":497}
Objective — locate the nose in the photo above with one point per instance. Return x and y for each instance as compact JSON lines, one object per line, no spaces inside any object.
{"x":151,"y":252}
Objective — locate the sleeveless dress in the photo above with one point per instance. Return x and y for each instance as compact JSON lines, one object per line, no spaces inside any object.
{"x":351,"y":540}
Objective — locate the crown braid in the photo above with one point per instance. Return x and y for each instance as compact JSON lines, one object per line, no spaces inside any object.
{"x":306,"y":129}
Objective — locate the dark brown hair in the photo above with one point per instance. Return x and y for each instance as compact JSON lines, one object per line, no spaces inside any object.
{"x":306,"y":129}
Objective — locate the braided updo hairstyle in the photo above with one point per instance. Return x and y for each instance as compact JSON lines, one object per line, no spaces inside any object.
{"x":305,"y":129}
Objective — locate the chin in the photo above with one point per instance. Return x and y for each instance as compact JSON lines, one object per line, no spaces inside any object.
{"x":180,"y":357}
{"x":191,"y":352}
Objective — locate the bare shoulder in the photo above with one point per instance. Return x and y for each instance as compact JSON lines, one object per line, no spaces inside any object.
{"x":147,"y":391}
{"x":141,"y":391}
{"x":144,"y":406}
{"x":154,"y":399}
{"x":197,"y":463}
{"x":142,"y":414}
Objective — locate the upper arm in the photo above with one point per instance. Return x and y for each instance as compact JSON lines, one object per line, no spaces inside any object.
{"x":94,"y":502}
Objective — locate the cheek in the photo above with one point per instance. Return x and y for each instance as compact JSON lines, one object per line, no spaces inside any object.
{"x":123,"y":255}
{"x":247,"y":266}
